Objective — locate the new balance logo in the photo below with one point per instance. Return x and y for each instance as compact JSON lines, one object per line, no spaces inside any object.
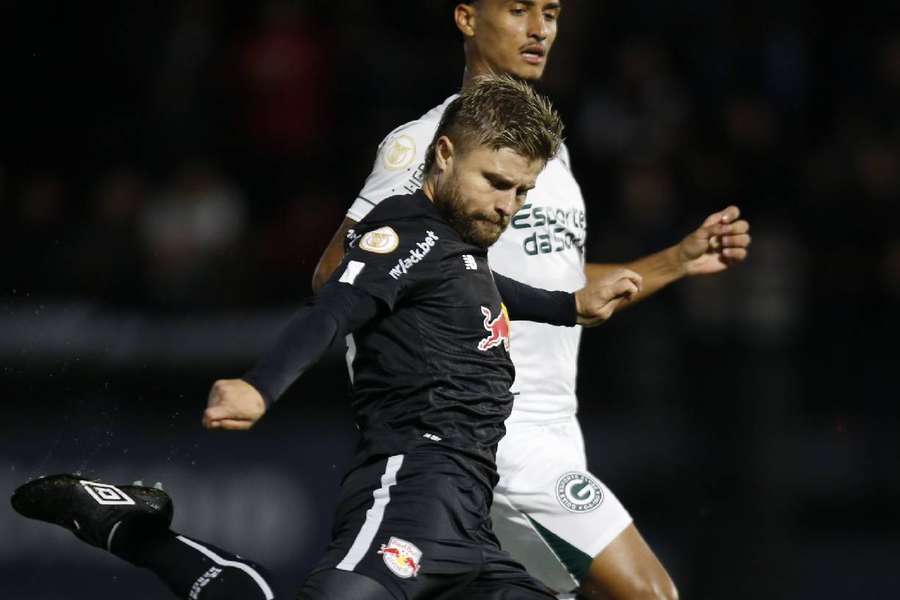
{"x":107,"y":495}
{"x":470,"y":263}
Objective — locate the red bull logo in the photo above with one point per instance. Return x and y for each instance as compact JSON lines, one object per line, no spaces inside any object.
{"x":401,"y":557}
{"x":498,"y":327}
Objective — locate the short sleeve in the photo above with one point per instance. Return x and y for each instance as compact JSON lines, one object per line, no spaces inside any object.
{"x":398,"y":169}
{"x":390,"y":259}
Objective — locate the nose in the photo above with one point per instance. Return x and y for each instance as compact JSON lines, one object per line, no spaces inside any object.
{"x":537,"y":27}
{"x":508,"y":205}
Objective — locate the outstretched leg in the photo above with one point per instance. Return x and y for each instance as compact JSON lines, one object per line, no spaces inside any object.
{"x":132,"y":522}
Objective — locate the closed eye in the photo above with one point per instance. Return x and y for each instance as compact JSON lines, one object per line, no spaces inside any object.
{"x":499,"y":183}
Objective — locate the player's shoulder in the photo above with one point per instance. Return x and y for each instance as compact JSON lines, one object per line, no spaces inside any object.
{"x":397,"y":224}
{"x":427,"y":122}
{"x":562,"y":156}
{"x":409,"y":141}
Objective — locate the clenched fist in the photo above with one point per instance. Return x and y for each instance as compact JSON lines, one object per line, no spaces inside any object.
{"x":233,"y":404}
{"x":597,"y":301}
{"x":720,"y":242}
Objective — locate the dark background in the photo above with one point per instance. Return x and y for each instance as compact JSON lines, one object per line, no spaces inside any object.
{"x":171,"y":171}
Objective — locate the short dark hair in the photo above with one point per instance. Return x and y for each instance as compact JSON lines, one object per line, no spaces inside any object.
{"x":500,"y":111}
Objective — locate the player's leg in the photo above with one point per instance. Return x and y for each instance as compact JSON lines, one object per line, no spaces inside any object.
{"x":333,"y":584}
{"x":410,"y":524}
{"x":132,"y":522}
{"x":502,"y":578}
{"x":564,"y":525}
{"x":627,"y":568}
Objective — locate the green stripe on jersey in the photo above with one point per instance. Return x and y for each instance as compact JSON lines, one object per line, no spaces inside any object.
{"x":576,"y":561}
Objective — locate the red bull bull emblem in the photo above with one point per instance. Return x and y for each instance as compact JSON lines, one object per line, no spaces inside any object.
{"x":401,"y":557}
{"x":498,"y":327}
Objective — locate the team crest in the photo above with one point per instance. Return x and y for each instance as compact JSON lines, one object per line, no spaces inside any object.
{"x":399,"y":153}
{"x":383,"y":240}
{"x":578,"y":492}
{"x":401,"y":557}
{"x":498,"y":328}
{"x":107,"y":495}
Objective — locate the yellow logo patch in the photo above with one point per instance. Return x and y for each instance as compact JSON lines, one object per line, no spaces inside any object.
{"x":399,"y":153}
{"x":383,"y":240}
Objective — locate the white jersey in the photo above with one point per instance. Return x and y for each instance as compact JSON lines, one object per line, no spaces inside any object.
{"x":543,"y":247}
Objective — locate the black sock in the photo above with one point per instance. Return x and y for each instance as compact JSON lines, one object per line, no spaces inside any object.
{"x":192,"y":569}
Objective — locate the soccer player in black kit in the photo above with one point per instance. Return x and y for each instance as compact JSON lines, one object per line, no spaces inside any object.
{"x":427,"y":327}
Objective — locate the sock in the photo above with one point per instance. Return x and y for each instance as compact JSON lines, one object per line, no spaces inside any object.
{"x":192,"y":569}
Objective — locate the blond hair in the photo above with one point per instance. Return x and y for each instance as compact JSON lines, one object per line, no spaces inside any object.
{"x":500,"y":111}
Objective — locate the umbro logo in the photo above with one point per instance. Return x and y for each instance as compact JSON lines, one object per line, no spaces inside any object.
{"x":470,"y":263}
{"x":107,"y":495}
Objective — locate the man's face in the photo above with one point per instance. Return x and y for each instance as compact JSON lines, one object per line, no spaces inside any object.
{"x":514,"y":37}
{"x":482,"y":189}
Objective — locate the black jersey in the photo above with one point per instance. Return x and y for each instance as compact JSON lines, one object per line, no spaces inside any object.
{"x":428,"y":334}
{"x":435,"y":369}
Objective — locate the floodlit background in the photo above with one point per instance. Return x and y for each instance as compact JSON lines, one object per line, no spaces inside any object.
{"x":171,"y":171}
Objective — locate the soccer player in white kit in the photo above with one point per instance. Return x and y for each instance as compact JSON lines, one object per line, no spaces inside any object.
{"x":560,"y":521}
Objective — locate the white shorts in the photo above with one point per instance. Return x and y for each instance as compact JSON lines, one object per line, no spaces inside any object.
{"x":549,"y":512}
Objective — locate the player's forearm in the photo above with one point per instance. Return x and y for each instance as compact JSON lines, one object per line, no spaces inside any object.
{"x":657,"y":270}
{"x":526,"y":303}
{"x":299,"y":347}
{"x":338,"y":310}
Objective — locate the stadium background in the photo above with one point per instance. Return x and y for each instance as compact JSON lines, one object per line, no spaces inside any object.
{"x":170,"y":172}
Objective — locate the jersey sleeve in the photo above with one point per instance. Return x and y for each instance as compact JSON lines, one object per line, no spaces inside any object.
{"x":334,"y":312}
{"x":390,"y":259}
{"x":526,"y":303}
{"x":398,"y":168}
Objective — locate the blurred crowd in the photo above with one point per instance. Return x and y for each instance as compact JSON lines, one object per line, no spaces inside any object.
{"x":162,"y":162}
{"x":199,"y":154}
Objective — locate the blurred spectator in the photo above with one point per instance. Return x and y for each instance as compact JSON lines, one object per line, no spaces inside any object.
{"x":191,"y":234}
{"x":285,"y":72}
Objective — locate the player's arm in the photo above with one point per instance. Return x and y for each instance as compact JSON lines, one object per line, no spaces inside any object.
{"x":332,"y":256}
{"x":721,"y":241}
{"x":590,"y":306}
{"x":339,"y":309}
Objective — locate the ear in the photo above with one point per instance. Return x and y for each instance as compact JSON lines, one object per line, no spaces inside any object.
{"x":443,"y":153}
{"x":464,"y":15}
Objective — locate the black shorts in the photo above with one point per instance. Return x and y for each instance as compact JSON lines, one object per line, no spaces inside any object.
{"x":418,"y":524}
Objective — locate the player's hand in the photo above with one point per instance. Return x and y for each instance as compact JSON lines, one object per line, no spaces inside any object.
{"x":597,"y":301}
{"x":720,"y":242}
{"x":233,"y":404}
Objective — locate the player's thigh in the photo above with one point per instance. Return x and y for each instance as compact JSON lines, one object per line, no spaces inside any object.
{"x":628,"y":568}
{"x":333,"y":584}
{"x":551,"y":514}
{"x":502,"y":578}
{"x":410,"y":522}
